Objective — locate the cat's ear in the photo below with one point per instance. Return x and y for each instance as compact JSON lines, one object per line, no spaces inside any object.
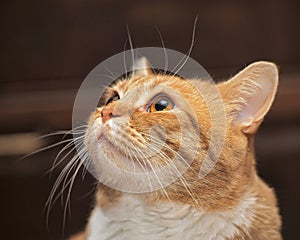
{"x":248,"y":96}
{"x":141,"y":67}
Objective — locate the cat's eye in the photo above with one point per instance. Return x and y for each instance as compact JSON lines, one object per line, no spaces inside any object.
{"x":113,"y":98}
{"x":161,"y":103}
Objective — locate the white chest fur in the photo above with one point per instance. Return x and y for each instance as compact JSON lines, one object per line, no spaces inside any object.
{"x":131,"y":219}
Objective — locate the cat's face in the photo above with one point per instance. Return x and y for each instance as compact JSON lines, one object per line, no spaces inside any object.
{"x":145,"y":121}
{"x":151,"y":121}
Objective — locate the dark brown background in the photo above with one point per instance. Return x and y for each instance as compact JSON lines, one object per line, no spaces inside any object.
{"x":48,"y":47}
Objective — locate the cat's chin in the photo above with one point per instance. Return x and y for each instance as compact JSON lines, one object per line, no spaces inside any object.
{"x":103,"y":140}
{"x":107,"y":151}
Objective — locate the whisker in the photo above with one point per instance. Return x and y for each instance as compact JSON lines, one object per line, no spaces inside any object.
{"x":68,"y":205}
{"x":160,"y":143}
{"x":52,"y":199}
{"x":55,"y":163}
{"x":179,"y":175}
{"x":85,"y":169}
{"x":137,"y":159}
{"x":112,"y":75}
{"x":159,"y":182}
{"x":124,"y":59}
{"x":165,"y":51}
{"x":131,"y":47}
{"x":72,"y":143}
{"x":45,"y":148}
{"x":64,"y":132}
{"x":164,"y":156}
{"x":189,"y":51}
{"x":62,"y":179}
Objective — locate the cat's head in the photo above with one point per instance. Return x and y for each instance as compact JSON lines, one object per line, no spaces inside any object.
{"x":156,"y":129}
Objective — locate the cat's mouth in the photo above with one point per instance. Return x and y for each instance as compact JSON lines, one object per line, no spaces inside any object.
{"x":102,"y":137}
{"x":115,"y":151}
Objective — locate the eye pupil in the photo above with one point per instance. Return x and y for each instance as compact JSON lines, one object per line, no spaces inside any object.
{"x":161,"y":105}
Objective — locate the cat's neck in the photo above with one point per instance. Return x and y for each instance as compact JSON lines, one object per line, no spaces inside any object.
{"x":167,"y":220}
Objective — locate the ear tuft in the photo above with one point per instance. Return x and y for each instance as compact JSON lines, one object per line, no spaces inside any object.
{"x":141,"y":67}
{"x":249,"y":95}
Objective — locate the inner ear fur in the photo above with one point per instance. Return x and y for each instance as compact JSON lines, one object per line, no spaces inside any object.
{"x":249,"y":95}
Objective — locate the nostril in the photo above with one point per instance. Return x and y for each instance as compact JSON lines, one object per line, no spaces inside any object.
{"x":107,"y":113}
{"x":113,"y":115}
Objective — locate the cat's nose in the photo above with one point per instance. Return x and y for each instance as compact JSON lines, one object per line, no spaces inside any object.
{"x":107,"y":113}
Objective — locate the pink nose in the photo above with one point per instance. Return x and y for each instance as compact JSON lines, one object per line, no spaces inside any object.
{"x":107,"y":113}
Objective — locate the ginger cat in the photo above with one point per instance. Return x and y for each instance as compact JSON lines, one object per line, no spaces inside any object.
{"x":230,"y":202}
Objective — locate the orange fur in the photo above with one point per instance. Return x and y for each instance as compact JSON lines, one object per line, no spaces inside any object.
{"x":234,"y":172}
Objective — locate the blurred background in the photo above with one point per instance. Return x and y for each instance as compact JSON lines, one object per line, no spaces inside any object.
{"x":48,"y":47}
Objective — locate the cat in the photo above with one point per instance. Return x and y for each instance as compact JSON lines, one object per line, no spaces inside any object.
{"x":230,"y":202}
